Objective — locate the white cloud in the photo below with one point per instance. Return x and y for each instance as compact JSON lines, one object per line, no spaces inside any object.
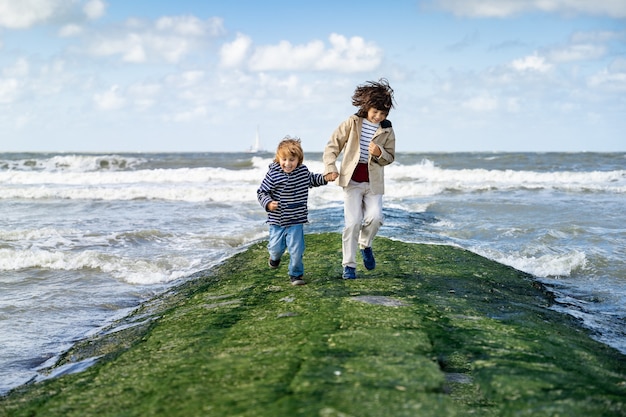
{"x":618,"y":65}
{"x":598,"y":36}
{"x":481,"y":103}
{"x":186,"y":79}
{"x":285,"y":56}
{"x":21,"y":68}
{"x":169,"y":39}
{"x":145,"y":90}
{"x":172,"y":49}
{"x":531,"y":63}
{"x":190,"y":26}
{"x":144,"y":96}
{"x":130,"y":47}
{"x":139,"y":48}
{"x":193,"y":114}
{"x":506,"y":8}
{"x":70,"y":30}
{"x":351,"y":55}
{"x":233,"y":54}
{"x":94,"y":9}
{"x":109,"y":100}
{"x":9,"y":90}
{"x":23,"y":14}
{"x":344,"y":55}
{"x":580,"y":52}
{"x":612,"y":78}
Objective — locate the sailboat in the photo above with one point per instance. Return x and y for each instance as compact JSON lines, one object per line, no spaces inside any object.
{"x":257,"y":144}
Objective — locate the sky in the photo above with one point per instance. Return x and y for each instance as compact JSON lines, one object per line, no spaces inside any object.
{"x":207,"y":75}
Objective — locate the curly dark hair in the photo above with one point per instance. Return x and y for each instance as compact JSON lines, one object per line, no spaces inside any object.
{"x":376,"y":94}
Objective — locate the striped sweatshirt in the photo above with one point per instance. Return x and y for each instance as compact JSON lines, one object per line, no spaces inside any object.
{"x":291,"y":191}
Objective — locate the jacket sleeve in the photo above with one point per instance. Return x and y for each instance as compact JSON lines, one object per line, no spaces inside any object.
{"x":334,"y":147}
{"x":316,"y":180}
{"x":264,"y":193}
{"x":388,"y":149}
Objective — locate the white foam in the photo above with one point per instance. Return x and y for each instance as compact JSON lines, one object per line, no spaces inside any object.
{"x":543,"y":266}
{"x":131,"y":270}
{"x":236,"y":185}
{"x":73,"y":163}
{"x":427,"y":179}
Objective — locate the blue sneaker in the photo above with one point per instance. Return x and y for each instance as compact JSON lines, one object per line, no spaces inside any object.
{"x":368,"y":258}
{"x":349,"y":272}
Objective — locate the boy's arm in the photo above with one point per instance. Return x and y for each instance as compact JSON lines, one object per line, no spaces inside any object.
{"x":316,"y":180}
{"x":388,"y":150}
{"x":334,"y":147}
{"x":264,"y":193}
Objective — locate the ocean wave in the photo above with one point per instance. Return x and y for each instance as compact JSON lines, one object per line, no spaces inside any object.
{"x":131,"y":270}
{"x":225,"y":194}
{"x":428,"y":179}
{"x":47,"y":238}
{"x":153,"y":176}
{"x":542,"y":266}
{"x":236,"y":185}
{"x":71,"y":163}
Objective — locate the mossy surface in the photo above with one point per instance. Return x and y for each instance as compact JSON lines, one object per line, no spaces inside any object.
{"x":432,"y":331}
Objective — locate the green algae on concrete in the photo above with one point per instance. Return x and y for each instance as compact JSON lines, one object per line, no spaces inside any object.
{"x":432,"y":331}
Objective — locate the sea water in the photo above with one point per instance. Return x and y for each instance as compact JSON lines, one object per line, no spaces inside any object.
{"x":85,"y":238}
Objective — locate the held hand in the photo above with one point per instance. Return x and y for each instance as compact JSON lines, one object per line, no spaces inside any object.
{"x":331,"y":176}
{"x":272,"y":205}
{"x":375,"y":149}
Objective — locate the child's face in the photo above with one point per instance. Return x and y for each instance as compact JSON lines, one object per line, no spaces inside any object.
{"x":376,"y":116}
{"x":288,"y":163}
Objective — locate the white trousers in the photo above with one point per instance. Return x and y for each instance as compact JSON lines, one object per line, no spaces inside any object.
{"x":363,"y":216}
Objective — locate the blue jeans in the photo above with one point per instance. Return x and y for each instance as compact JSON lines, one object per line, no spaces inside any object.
{"x":290,"y":238}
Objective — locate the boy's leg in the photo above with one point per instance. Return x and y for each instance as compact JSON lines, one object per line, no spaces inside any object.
{"x":353,"y":217}
{"x":295,"y":246}
{"x":276,"y":245}
{"x":372,"y":218}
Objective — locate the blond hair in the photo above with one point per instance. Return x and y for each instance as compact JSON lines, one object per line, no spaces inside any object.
{"x":290,"y":147}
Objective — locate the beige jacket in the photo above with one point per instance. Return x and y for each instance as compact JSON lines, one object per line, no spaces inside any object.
{"x":346,"y":138}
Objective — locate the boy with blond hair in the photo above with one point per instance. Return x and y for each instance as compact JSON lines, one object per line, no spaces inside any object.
{"x":284,"y":195}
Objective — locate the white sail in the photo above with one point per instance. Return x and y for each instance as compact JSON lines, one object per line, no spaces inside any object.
{"x":257,"y":143}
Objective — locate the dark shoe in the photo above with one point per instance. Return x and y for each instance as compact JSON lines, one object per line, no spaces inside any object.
{"x":274,"y":264}
{"x":349,"y":272}
{"x":368,"y":258}
{"x":296,"y":280}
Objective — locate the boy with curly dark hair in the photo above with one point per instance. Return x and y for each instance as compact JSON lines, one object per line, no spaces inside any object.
{"x":369,"y":144}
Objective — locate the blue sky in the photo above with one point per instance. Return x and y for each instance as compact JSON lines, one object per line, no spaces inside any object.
{"x":468,"y":75}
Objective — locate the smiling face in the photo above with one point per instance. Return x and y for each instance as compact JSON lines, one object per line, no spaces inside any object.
{"x":288,"y":163}
{"x":289,"y":154}
{"x":376,"y":116}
